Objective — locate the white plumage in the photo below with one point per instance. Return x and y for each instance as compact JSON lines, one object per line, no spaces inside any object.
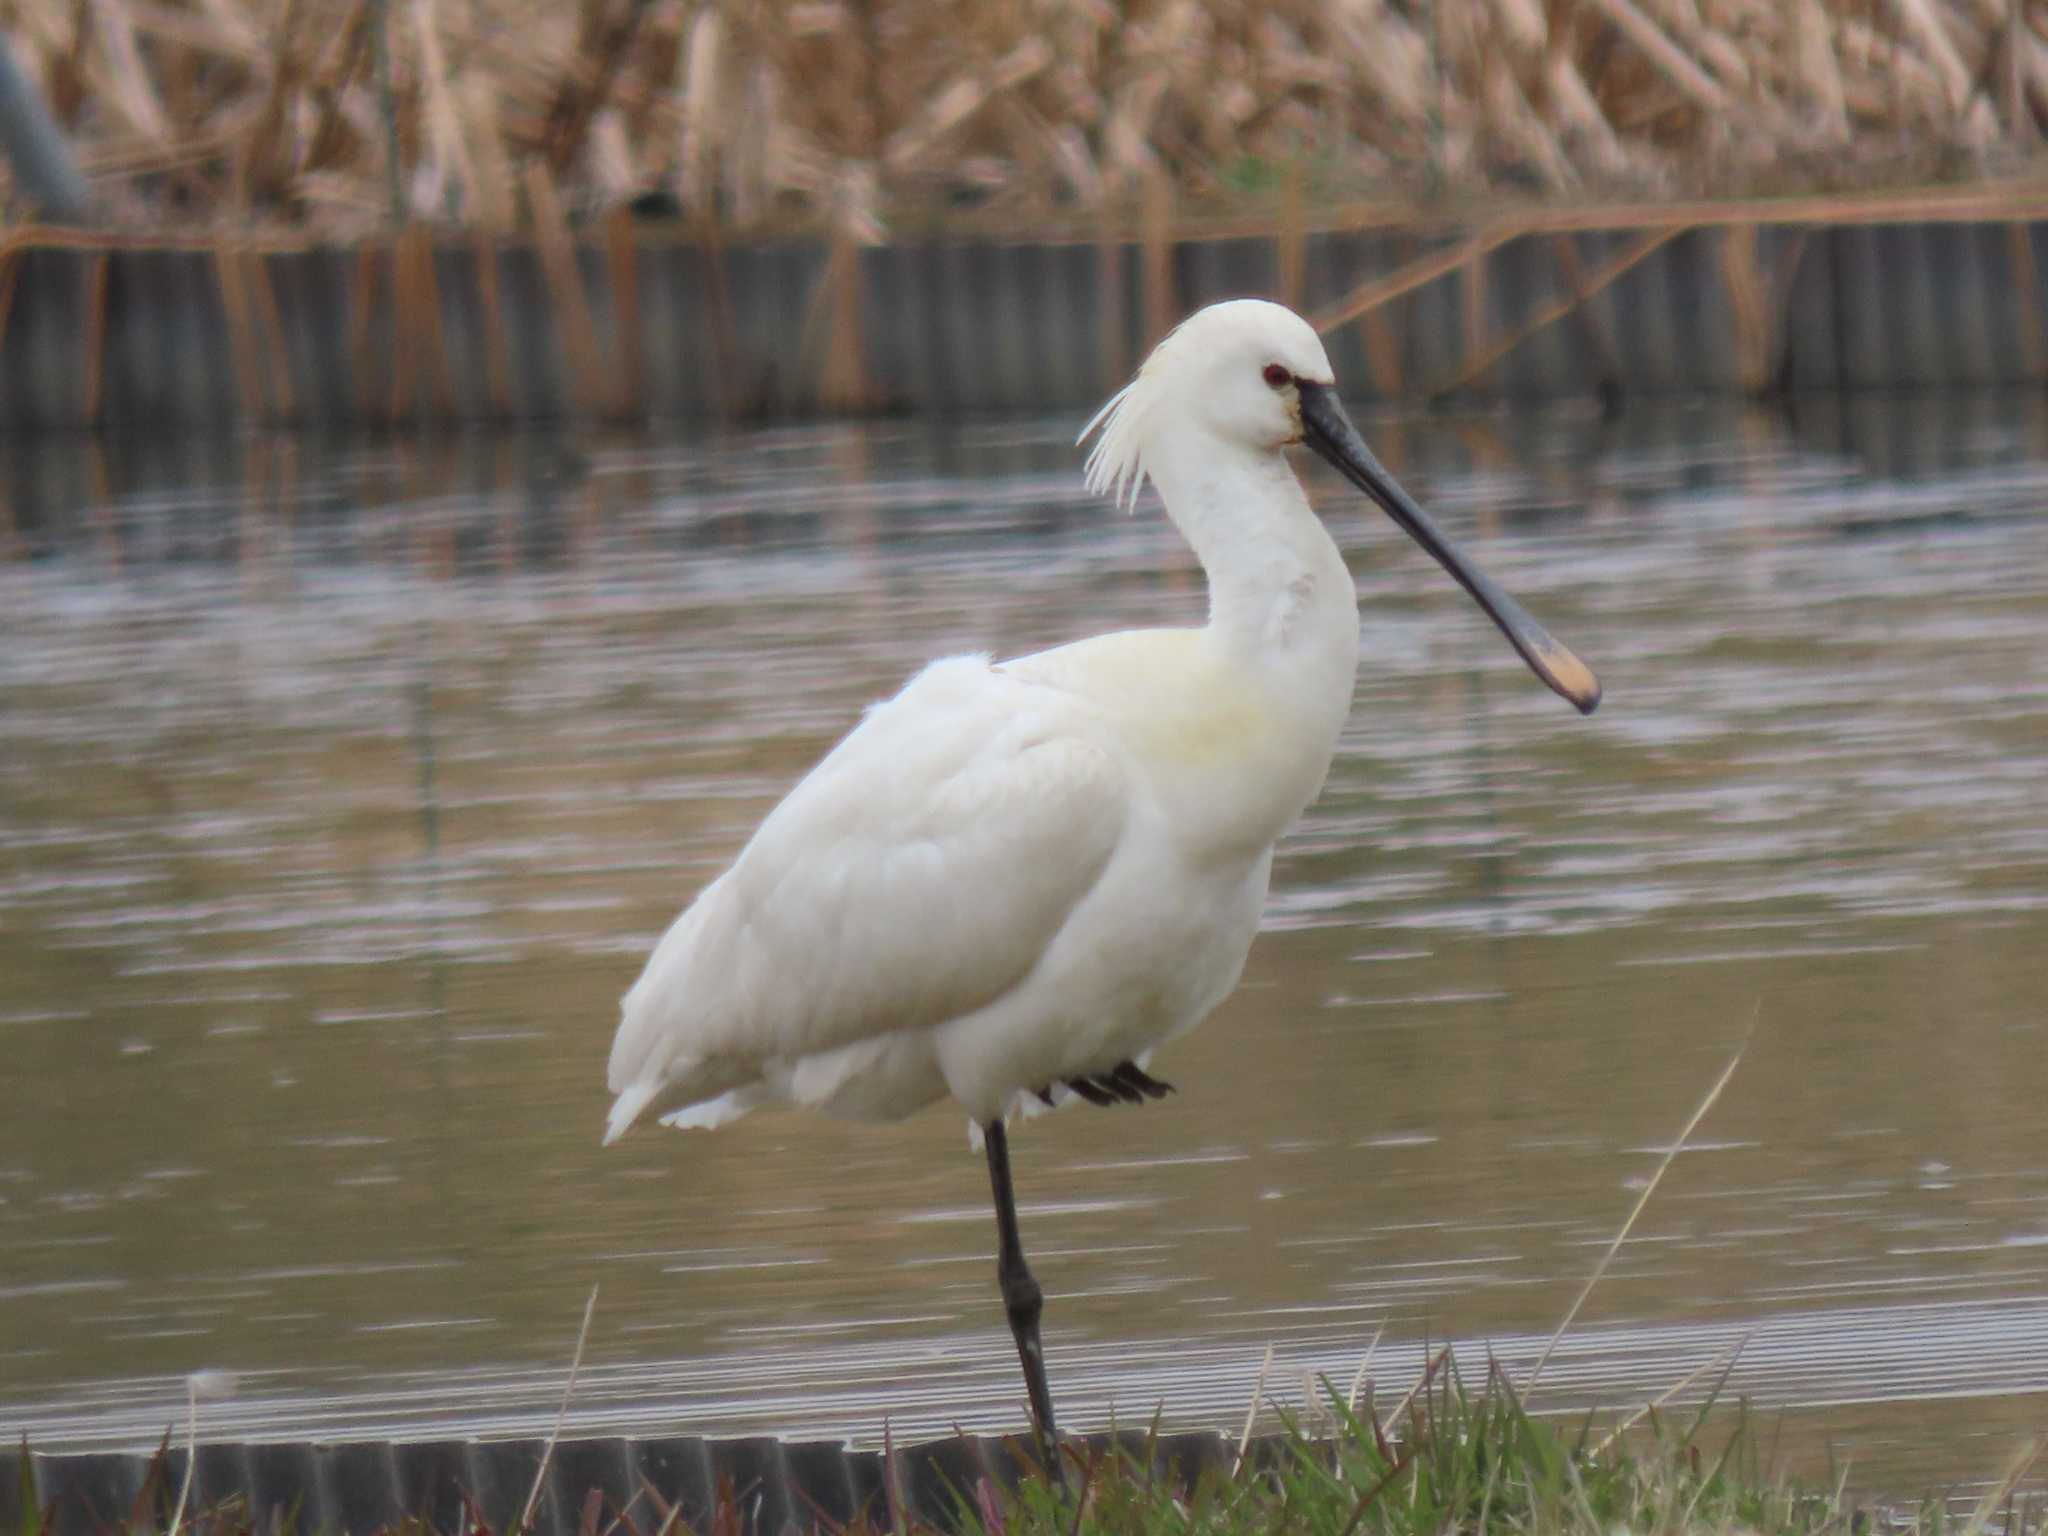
{"x":1014,"y":874}
{"x":1014,"y":879}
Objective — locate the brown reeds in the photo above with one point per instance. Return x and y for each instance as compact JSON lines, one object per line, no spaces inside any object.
{"x":1483,"y":350}
{"x":336,"y":116}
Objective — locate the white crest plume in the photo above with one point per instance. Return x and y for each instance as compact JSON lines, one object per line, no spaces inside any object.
{"x":1116,"y":464}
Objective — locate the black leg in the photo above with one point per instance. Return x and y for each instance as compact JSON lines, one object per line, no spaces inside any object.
{"x":1022,"y":1298}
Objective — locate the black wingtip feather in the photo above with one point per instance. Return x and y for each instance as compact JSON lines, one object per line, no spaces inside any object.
{"x":1092,"y":1091}
{"x":1135,"y":1077}
{"x":1126,"y":1083}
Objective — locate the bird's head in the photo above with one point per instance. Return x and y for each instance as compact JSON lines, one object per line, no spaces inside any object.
{"x":1240,"y":369}
{"x":1254,"y":374}
{"x":1235,"y":370}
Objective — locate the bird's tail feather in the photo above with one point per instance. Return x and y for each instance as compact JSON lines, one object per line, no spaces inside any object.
{"x":626,"y":1108}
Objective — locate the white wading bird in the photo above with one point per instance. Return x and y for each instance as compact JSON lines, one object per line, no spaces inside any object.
{"x":1015,"y":880}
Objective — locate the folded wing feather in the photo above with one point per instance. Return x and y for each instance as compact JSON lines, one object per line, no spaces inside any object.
{"x":916,"y":875}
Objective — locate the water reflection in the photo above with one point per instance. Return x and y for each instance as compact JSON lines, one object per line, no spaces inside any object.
{"x":344,"y":787}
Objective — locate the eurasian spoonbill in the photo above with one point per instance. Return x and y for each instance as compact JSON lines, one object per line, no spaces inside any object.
{"x":1014,"y":880}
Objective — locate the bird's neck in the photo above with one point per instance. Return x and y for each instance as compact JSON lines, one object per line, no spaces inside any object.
{"x":1280,"y":595}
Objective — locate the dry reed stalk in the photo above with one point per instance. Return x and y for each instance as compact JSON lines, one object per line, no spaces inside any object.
{"x":1436,"y":1363}
{"x":1251,"y":1412}
{"x":1361,"y":1381}
{"x":334,"y":138}
{"x":1511,"y":118}
{"x":1994,"y":1498}
{"x":386,"y":112}
{"x":1382,"y":352}
{"x":1726,"y":1360}
{"x":414,"y":252}
{"x":491,"y":321}
{"x":1782,"y":277}
{"x":1579,"y":115}
{"x":1594,"y":332}
{"x":1749,"y":303}
{"x":2023,"y":67}
{"x":191,"y":1392}
{"x":1291,"y":240}
{"x":1112,"y":364}
{"x":1482,"y":358}
{"x":362,"y":293}
{"x":1891,"y":87}
{"x":1670,"y":60}
{"x":1650,"y":1188}
{"x":243,"y":350}
{"x":494,"y":199}
{"x":565,"y":286}
{"x":1473,"y":310}
{"x":2033,"y":67}
{"x":1918,"y":19}
{"x":698,"y":138}
{"x":1162,"y":302}
{"x":622,"y":259}
{"x":842,"y":377}
{"x":446,"y":149}
{"x":725,"y":343}
{"x":123,"y":75}
{"x":959,"y":99}
{"x":226,"y":34}
{"x":602,"y":48}
{"x":10,"y":271}
{"x":55,"y":237}
{"x":261,"y":165}
{"x":1592,"y":324}
{"x":133,"y":157}
{"x":406,"y":321}
{"x":94,"y":342}
{"x":270,"y":327}
{"x":1818,"y":71}
{"x":2012,"y":95}
{"x":1521,"y":24}
{"x":2019,"y":247}
{"x":12,"y":545}
{"x":1932,"y":205}
{"x":1374,"y":292}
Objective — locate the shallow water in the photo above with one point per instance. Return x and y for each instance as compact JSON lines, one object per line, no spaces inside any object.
{"x":342,"y":790}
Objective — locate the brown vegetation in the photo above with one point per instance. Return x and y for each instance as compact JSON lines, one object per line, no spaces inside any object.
{"x":338,"y":116}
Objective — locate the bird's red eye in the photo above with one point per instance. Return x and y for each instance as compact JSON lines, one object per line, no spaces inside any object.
{"x":1277,"y":376}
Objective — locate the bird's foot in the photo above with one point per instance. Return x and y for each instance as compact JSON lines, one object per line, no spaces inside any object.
{"x":1126,"y":1083}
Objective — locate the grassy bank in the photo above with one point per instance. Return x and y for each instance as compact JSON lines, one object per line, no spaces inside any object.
{"x":1448,"y":1457}
{"x":1474,"y":1461}
{"x":866,"y":116}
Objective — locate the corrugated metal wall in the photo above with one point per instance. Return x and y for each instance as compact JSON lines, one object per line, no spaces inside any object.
{"x":780,"y":1486}
{"x":635,"y":325}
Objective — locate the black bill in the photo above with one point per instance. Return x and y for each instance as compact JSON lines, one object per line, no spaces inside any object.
{"x":1328,"y":430}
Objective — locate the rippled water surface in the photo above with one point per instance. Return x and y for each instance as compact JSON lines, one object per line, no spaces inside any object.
{"x":342,"y":790}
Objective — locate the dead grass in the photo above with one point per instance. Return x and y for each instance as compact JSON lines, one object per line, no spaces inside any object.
{"x":860,"y":116}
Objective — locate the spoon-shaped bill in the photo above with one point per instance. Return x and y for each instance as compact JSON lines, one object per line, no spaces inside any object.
{"x":1330,"y":433}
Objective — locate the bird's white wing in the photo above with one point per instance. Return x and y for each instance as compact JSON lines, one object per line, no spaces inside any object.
{"x":917,"y":874}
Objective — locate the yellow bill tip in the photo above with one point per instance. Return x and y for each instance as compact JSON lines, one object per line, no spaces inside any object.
{"x":1571,"y":677}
